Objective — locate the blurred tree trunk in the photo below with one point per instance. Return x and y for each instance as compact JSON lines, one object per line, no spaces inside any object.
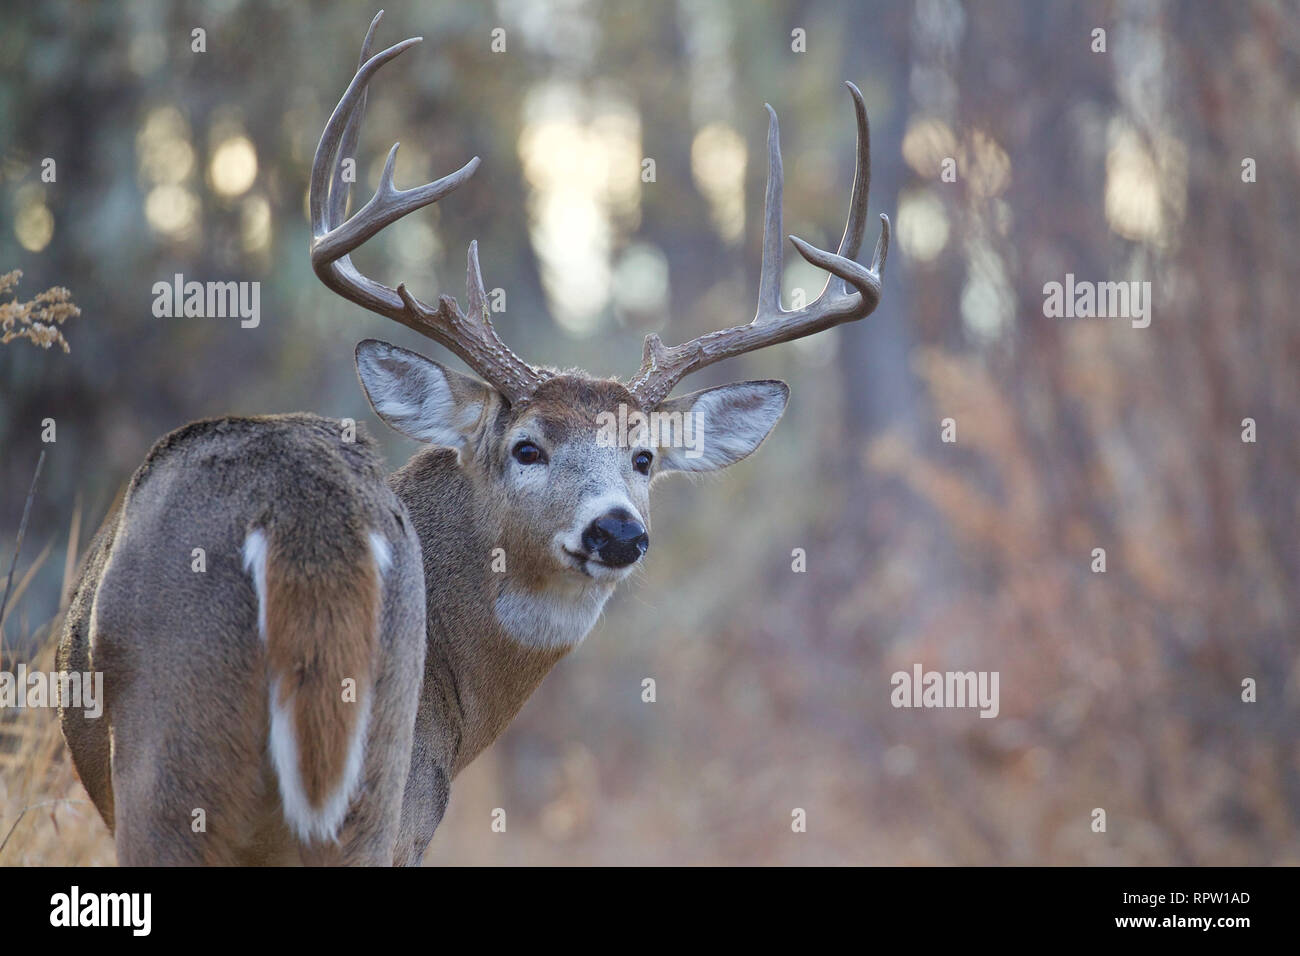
{"x":879,"y":391}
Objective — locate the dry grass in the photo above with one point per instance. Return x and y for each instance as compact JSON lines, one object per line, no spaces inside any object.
{"x":37,"y":320}
{"x":46,"y":817}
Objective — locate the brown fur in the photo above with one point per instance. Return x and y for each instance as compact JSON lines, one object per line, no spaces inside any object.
{"x":321,"y":624}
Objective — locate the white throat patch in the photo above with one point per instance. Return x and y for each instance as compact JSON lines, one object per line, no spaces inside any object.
{"x":548,"y":620}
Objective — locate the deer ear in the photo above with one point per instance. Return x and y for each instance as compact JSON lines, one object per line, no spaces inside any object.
{"x":419,"y":397}
{"x":722,"y":425}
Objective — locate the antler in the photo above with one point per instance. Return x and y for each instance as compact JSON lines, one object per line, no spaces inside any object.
{"x":334,"y":239}
{"x":851,"y":292}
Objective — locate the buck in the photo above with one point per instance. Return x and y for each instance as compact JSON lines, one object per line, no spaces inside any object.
{"x":355,"y":640}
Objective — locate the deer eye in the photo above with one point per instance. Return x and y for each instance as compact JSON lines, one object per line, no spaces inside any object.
{"x":526,"y":453}
{"x":641,"y":461}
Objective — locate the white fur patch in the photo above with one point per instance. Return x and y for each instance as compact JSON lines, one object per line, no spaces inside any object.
{"x":382,"y":551}
{"x":255,"y":565}
{"x":546,"y":620}
{"x":311,"y":824}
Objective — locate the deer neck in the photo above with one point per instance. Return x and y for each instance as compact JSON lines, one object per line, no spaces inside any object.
{"x":493,"y":635}
{"x":489,"y":678}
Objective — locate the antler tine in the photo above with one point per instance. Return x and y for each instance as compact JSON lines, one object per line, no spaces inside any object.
{"x":474,"y":290}
{"x":852,"y":290}
{"x":855,"y":227}
{"x":335,"y":238}
{"x":332,"y":241}
{"x":769,"y":276}
{"x":339,"y":189}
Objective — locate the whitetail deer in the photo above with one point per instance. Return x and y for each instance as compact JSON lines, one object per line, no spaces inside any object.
{"x":227,"y":690}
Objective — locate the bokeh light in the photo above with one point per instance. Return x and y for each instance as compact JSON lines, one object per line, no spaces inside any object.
{"x":234,"y":166}
{"x":718,"y":159}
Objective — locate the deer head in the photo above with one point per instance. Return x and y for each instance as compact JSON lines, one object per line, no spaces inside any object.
{"x":573,"y":504}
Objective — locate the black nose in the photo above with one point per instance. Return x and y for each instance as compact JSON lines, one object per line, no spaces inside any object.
{"x":617,"y":537}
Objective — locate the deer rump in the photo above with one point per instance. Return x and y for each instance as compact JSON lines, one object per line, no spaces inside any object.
{"x":262,"y":653}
